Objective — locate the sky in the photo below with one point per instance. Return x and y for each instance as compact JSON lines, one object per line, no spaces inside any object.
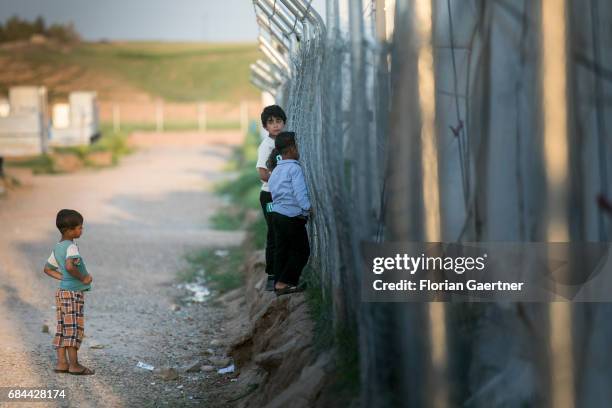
{"x":176,"y":20}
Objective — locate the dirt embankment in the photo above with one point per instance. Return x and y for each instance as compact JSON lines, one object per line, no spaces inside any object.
{"x":273,"y":348}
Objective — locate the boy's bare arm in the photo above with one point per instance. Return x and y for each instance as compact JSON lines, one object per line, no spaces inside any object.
{"x":264,"y":174}
{"x":73,"y":269}
{"x":54,"y":273}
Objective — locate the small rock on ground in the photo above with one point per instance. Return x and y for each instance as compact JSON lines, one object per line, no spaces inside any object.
{"x":167,"y":373}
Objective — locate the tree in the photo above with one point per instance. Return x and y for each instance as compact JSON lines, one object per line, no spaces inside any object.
{"x":39,"y":25}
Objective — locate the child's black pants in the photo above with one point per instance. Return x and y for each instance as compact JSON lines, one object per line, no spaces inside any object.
{"x":265,"y":197}
{"x":292,"y":248}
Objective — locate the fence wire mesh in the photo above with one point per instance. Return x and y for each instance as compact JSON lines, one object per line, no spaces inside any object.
{"x":481,"y":172}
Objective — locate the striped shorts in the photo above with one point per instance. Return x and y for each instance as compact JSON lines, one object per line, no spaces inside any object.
{"x":70,"y":329}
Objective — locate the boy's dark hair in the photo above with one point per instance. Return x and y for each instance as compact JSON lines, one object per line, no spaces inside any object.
{"x":67,"y":219}
{"x":282,"y":143}
{"x":272,"y":111}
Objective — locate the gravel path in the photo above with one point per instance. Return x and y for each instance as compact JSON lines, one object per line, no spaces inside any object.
{"x":141,"y":218}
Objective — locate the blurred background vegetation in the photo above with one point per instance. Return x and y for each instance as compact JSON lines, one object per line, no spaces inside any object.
{"x":16,"y":29}
{"x":134,"y":76}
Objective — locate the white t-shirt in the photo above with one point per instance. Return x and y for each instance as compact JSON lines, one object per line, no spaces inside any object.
{"x":263,"y":153}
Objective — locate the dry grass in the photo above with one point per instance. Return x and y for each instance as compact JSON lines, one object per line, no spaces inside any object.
{"x":179,"y":72}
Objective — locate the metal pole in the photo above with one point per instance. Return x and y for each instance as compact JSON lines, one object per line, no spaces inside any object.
{"x":405,"y":217}
{"x":283,"y":16}
{"x":270,"y":70}
{"x":381,"y":24}
{"x":360,"y":142}
{"x":273,"y":54}
{"x":280,"y":18}
{"x":244,"y":117}
{"x":258,"y":70}
{"x":281,"y":40}
{"x":202,"y":117}
{"x":263,"y":85}
{"x":159,"y":116}
{"x":116,"y":118}
{"x":298,"y":7}
{"x":82,"y":128}
{"x":556,"y":159}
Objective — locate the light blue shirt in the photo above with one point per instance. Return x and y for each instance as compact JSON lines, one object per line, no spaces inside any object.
{"x":288,"y":188}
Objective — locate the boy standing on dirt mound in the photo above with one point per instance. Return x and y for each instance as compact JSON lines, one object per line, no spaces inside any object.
{"x":289,"y":211}
{"x":66,"y":265}
{"x":273,"y":119}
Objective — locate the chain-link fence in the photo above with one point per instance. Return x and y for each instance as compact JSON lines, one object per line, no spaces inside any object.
{"x":474,"y":121}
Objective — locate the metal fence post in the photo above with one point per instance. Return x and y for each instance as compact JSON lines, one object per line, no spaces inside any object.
{"x":202,"y":117}
{"x":116,"y":118}
{"x":244,"y":116}
{"x":159,"y":116}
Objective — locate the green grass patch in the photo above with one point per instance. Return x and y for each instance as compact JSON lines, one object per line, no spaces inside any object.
{"x":242,"y":190}
{"x":342,"y":338}
{"x":41,"y":164}
{"x":347,"y":349}
{"x":219,"y":269}
{"x":257,"y":231}
{"x":179,"y":72}
{"x":78,"y":151}
{"x":244,"y":157}
{"x":175,"y":126}
{"x":110,"y":141}
{"x":320,"y":308}
{"x":228,"y":219}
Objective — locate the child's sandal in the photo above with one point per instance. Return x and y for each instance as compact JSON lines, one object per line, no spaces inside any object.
{"x":84,"y":371}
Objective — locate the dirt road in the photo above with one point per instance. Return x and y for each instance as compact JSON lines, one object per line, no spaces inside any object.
{"x":141,"y":218}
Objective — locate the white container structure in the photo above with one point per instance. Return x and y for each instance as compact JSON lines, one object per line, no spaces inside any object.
{"x":76,"y":123}
{"x":5,"y":108}
{"x":60,"y":116}
{"x":23,"y":132}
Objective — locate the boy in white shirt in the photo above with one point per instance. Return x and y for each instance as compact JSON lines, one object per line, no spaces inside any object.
{"x":273,"y":119}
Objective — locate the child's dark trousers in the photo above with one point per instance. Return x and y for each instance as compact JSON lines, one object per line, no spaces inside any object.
{"x":292,"y":248}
